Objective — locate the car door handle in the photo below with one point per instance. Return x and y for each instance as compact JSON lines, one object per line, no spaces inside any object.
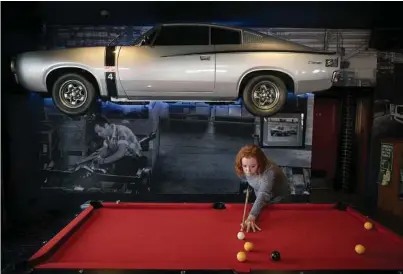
{"x":204,"y":57}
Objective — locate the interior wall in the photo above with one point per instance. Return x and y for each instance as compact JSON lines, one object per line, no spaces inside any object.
{"x":20,"y":117}
{"x":326,"y":136}
{"x":387,"y":122}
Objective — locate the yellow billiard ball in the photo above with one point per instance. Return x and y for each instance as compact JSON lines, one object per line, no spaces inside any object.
{"x":248,"y":246}
{"x":368,"y":225}
{"x":241,"y":256}
{"x":360,"y":249}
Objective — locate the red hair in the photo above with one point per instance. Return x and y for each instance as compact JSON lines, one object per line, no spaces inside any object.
{"x":251,"y":151}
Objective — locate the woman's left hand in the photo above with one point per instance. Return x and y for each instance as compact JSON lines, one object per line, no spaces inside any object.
{"x":250,"y":224}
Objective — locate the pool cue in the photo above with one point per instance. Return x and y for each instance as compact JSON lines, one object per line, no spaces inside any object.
{"x":244,"y":209}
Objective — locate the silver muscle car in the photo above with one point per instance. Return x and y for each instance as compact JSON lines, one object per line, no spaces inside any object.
{"x":180,"y":62}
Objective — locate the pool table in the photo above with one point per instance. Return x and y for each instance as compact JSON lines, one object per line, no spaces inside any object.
{"x":186,"y":237}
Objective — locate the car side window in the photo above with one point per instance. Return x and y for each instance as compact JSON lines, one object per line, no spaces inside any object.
{"x":221,"y":36}
{"x":182,"y":36}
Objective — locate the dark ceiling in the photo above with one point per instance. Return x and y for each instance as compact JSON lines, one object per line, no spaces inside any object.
{"x":257,"y":14}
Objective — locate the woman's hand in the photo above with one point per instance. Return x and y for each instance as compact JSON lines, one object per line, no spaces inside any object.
{"x":250,"y":224}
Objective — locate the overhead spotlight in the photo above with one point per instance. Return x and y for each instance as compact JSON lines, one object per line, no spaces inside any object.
{"x":105,"y":14}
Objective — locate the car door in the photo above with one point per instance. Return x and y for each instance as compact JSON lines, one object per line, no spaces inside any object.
{"x":230,"y":63}
{"x":178,"y":62}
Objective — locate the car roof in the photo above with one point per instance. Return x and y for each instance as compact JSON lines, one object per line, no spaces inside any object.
{"x":220,"y":26}
{"x":266,"y":36}
{"x":223,"y":26}
{"x":201,"y":24}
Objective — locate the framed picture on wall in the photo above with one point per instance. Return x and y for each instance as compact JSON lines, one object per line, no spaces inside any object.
{"x":283,"y":130}
{"x":386,"y":164}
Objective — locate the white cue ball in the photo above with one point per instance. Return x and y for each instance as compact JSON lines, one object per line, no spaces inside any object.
{"x":241,"y":235}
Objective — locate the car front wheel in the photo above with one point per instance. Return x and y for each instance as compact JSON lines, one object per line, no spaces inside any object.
{"x":73,"y":94}
{"x":264,"y":96}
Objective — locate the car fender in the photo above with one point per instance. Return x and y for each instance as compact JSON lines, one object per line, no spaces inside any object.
{"x":263,"y":69}
{"x":50,"y":69}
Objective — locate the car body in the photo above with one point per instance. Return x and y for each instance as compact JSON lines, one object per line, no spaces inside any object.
{"x":181,"y":62}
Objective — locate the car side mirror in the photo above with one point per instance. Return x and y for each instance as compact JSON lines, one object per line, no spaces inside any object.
{"x":144,"y":41}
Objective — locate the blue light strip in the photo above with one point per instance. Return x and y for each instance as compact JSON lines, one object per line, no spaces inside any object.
{"x":110,"y":106}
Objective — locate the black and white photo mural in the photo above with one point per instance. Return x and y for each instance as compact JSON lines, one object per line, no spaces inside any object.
{"x":99,"y":152}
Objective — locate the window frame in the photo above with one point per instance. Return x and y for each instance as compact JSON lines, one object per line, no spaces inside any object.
{"x":229,"y":29}
{"x":158,"y":30}
{"x":167,"y":26}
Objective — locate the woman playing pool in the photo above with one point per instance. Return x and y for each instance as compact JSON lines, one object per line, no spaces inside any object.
{"x":265,"y":177}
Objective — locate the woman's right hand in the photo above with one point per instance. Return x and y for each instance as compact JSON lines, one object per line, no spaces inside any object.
{"x":250,"y":224}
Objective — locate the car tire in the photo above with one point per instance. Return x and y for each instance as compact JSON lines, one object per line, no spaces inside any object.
{"x":275,"y":87}
{"x":84,"y":100}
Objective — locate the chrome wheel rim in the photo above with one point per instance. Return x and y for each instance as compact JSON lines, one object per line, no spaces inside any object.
{"x":73,"y":94}
{"x":265,"y":95}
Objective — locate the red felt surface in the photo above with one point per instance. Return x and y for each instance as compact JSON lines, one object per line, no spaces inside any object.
{"x":195,"y":236}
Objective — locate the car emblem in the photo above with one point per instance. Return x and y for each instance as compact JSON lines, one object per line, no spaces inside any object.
{"x":314,"y":62}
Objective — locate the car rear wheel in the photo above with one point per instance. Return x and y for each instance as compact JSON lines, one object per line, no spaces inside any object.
{"x":264,"y":96}
{"x":73,"y":94}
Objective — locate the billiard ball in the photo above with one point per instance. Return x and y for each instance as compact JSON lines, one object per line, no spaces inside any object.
{"x":241,"y":235}
{"x":275,"y":256}
{"x":359,"y":249}
{"x":248,"y":246}
{"x":368,"y":225}
{"x":241,"y":256}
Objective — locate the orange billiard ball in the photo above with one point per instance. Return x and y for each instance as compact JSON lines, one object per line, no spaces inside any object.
{"x":248,"y":246}
{"x":241,"y":256}
{"x":368,"y":225}
{"x":360,"y":249}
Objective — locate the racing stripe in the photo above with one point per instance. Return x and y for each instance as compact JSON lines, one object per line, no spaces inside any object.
{"x":252,"y":50}
{"x":110,"y":71}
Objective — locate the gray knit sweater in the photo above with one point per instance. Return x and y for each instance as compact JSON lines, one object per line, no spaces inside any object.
{"x":262,"y":185}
